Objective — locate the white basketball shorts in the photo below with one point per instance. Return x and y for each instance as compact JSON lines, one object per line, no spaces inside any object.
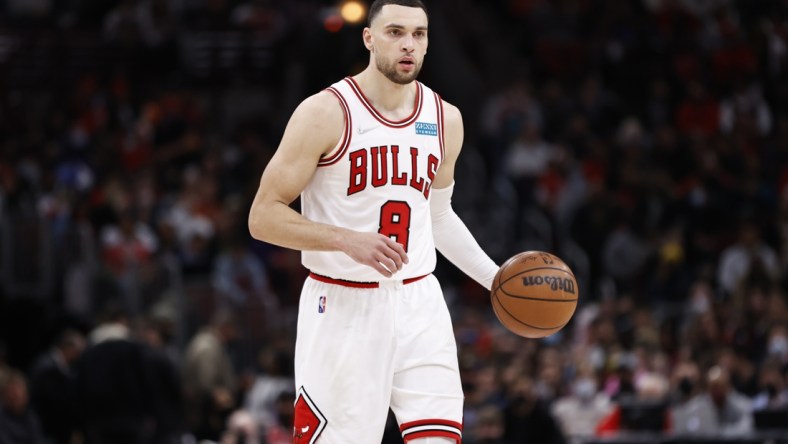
{"x":361,"y":350}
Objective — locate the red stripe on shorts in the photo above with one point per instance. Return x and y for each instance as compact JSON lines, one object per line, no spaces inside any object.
{"x":431,"y":427}
{"x":354,"y":284}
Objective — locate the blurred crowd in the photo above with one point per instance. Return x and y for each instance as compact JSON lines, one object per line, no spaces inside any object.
{"x":644,"y":142}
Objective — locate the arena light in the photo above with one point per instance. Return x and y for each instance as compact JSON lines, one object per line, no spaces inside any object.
{"x":331,"y":19}
{"x":333,"y":23}
{"x":353,"y":12}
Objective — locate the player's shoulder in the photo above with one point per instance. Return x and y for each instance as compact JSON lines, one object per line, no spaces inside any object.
{"x":451,"y":112}
{"x":319,"y":115}
{"x":452,"y":116}
{"x":321,"y":105}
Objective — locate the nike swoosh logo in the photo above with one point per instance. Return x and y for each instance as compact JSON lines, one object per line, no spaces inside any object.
{"x":366,"y":130}
{"x":304,"y":429}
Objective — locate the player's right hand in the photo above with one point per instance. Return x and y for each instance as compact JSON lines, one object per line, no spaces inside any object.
{"x":377,"y":251}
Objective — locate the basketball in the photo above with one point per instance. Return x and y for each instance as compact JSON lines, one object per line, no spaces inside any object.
{"x":534,"y":294}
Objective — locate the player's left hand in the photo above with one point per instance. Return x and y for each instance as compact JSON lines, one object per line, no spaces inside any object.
{"x":375,"y":250}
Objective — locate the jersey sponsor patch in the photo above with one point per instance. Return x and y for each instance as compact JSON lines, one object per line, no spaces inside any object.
{"x":321,"y":305}
{"x":426,"y":129}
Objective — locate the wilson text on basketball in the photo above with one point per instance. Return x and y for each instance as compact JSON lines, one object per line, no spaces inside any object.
{"x":555,"y":283}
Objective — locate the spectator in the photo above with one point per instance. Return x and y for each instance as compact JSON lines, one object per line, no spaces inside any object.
{"x":489,"y":427}
{"x":699,"y":112}
{"x":685,"y":382}
{"x":128,"y":249}
{"x":719,"y":410}
{"x":527,"y":157}
{"x":166,"y":403}
{"x":527,"y":419}
{"x":54,"y":387}
{"x":281,"y":432}
{"x":240,"y":276}
{"x":748,"y":254}
{"x":746,"y":110}
{"x":209,"y":379}
{"x":127,"y":245}
{"x":625,"y":253}
{"x":273,"y":380}
{"x":777,"y":344}
{"x":773,"y":393}
{"x":113,"y":325}
{"x":241,"y":429}
{"x":651,"y":389}
{"x":123,"y":25}
{"x":125,"y":389}
{"x":579,"y":412}
{"x":192,"y":218}
{"x":19,"y":424}
{"x":506,"y":112}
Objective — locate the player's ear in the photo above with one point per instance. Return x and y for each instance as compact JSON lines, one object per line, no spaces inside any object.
{"x":367,"y":35}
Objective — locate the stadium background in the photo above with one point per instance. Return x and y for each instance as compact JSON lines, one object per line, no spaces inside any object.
{"x":644,"y":141}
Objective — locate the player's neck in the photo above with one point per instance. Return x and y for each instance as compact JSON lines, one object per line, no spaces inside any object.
{"x":385,"y":95}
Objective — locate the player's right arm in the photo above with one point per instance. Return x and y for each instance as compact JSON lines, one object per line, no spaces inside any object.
{"x":314,"y":129}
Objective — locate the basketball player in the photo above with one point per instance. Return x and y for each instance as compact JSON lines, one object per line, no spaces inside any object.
{"x":373,"y":158}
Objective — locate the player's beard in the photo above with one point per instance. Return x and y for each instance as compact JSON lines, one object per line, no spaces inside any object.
{"x":389,"y":69}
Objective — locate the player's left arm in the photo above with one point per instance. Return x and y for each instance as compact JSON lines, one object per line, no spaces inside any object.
{"x":452,"y":237}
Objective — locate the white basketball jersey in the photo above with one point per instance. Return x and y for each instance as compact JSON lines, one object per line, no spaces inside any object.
{"x":378,"y":179}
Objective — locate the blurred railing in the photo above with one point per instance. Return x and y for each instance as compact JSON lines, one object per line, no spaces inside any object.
{"x":30,"y":58}
{"x":27,"y":256}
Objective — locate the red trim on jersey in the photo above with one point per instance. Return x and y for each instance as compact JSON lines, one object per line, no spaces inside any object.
{"x":439,"y":108}
{"x":354,"y":284}
{"x":390,"y":123}
{"x":431,"y":427}
{"x":346,"y":135}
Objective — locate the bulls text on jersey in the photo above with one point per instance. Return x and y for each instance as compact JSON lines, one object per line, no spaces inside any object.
{"x":380,"y":165}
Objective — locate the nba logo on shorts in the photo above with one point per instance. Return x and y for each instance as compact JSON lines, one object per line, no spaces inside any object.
{"x":321,"y":307}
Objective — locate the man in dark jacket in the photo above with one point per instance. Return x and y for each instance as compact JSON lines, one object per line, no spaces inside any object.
{"x":130,"y":392}
{"x":53,"y":387}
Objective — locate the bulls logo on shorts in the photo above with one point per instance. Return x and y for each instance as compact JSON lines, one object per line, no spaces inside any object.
{"x":309,"y":421}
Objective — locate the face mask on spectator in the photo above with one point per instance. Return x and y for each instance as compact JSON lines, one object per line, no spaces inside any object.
{"x":585,"y":389}
{"x":778,"y":346}
{"x":685,"y":386}
{"x":699,"y":303}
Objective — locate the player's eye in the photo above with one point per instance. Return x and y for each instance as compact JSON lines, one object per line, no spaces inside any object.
{"x":394,"y":32}
{"x":420,"y":34}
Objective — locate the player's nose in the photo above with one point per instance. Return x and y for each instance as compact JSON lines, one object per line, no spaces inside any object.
{"x":408,"y":44}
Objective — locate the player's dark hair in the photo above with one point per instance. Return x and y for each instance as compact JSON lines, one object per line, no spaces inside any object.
{"x":377,"y":5}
